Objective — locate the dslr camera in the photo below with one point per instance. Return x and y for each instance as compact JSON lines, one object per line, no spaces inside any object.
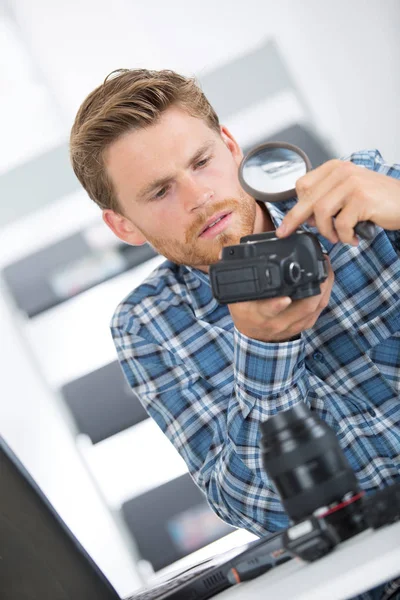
{"x":317,"y":486}
{"x":265,"y":266}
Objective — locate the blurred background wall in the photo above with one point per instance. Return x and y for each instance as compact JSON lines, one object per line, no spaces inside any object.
{"x":340,"y":62}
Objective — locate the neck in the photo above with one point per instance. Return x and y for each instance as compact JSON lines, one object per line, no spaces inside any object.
{"x":263,"y":221}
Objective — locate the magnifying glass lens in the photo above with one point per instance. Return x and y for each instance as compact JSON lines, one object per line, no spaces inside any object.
{"x":273,"y":170}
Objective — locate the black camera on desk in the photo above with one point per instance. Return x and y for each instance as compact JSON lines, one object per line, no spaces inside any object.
{"x":317,"y":486}
{"x":264,"y":266}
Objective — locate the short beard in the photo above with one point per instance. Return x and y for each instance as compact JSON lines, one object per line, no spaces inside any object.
{"x":191,"y":252}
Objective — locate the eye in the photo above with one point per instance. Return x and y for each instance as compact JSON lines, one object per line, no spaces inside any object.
{"x":161,"y":192}
{"x":202,"y":163}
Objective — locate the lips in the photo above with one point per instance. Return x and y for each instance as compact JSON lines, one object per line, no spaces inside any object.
{"x":214,"y":221}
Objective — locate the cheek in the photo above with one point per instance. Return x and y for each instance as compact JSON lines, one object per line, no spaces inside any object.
{"x":224,"y":179}
{"x":165,"y":220}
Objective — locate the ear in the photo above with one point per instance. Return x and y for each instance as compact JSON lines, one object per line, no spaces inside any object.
{"x":123,"y":228}
{"x":231,"y":144}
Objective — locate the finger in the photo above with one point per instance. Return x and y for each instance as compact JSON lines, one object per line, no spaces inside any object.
{"x":316,"y":175}
{"x":295,"y":217}
{"x":320,"y":187}
{"x":303,"y":314}
{"x":345,"y":222}
{"x":302,"y":324}
{"x":327,"y":197}
{"x":300,"y":309}
{"x":307,"y":319}
{"x":326,"y":227}
{"x":311,"y":189}
{"x":327,"y":208}
{"x":311,"y":221}
{"x":272,"y":307}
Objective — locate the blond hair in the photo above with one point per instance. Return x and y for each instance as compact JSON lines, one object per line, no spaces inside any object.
{"x":129,"y":99}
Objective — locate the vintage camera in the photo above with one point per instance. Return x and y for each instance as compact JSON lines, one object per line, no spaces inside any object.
{"x":317,"y":486}
{"x":265,"y":266}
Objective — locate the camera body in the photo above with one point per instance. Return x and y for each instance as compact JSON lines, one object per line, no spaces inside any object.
{"x":265,"y":266}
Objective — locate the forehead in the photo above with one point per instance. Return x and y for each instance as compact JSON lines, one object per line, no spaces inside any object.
{"x":155,"y":151}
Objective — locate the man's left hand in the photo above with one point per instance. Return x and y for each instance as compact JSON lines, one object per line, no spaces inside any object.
{"x":349,"y":193}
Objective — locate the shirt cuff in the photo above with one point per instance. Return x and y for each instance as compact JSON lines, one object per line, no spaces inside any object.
{"x":265,"y":368}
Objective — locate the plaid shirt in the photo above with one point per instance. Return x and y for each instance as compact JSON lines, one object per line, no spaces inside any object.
{"x":208,"y":387}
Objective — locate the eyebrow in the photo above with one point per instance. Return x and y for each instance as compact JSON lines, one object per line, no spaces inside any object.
{"x":158,"y":183}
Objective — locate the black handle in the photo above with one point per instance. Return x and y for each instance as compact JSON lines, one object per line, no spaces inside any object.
{"x":365,"y":229}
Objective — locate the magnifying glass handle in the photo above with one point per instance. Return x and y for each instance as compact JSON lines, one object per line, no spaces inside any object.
{"x":365,"y":229}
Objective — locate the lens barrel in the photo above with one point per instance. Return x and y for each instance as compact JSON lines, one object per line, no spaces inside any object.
{"x":302,"y":456}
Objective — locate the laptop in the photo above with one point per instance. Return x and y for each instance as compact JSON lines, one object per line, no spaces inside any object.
{"x":41,"y":558}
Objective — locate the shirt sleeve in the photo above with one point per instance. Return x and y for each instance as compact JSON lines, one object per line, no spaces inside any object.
{"x":372,"y":159}
{"x":214,"y":429}
{"x":391,"y":170}
{"x":270,"y":372}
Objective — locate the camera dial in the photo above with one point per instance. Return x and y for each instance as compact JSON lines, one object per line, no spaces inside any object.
{"x":291,"y":271}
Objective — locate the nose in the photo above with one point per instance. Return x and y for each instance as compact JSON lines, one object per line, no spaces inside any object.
{"x":195,"y":193}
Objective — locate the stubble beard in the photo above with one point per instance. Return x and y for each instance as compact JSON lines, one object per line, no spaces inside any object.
{"x":197,"y":252}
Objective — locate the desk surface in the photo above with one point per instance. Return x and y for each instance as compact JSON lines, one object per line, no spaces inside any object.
{"x":361,"y":563}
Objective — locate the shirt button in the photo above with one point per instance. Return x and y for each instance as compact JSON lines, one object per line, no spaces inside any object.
{"x":372,"y":412}
{"x":318,"y":356}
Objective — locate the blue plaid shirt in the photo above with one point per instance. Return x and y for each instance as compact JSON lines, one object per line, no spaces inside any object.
{"x":208,"y":387}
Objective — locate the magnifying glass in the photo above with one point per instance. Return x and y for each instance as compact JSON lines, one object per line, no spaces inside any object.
{"x":270,"y":171}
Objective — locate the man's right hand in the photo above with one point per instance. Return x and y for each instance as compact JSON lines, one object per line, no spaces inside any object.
{"x":279,"y":319}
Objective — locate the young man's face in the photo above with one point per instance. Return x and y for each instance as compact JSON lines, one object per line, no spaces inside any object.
{"x":173,"y":181}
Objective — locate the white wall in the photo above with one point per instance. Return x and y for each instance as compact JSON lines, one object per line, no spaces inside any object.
{"x":342,"y":54}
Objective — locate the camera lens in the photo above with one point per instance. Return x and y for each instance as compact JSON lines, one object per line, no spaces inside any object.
{"x":302,"y":456}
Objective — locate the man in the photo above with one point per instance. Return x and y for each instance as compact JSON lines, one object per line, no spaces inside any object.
{"x":149,"y":150}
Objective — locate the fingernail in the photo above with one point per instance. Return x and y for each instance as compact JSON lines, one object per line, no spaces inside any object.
{"x":281,"y":229}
